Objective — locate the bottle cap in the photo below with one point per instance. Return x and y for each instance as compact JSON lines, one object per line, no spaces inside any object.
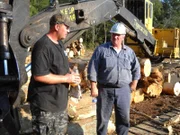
{"x":94,"y":100}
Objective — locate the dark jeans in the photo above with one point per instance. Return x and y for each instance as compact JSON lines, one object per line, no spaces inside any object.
{"x":119,"y":98}
{"x":48,"y":123}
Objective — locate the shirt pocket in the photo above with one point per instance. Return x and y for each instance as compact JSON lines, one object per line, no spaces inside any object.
{"x":125,"y":70}
{"x":108,"y":61}
{"x":124,"y":63}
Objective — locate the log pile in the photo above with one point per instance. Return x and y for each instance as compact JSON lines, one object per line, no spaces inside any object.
{"x":155,"y":80}
{"x":171,"y":83}
{"x":75,"y":49}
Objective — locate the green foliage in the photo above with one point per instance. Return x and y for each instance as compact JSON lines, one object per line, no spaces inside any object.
{"x":166,"y":13}
{"x":172,"y":13}
{"x":97,"y":35}
{"x":37,"y":5}
{"x":158,"y":11}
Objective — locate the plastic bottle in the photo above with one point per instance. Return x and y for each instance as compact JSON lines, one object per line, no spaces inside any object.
{"x":76,"y":71}
{"x":79,"y":93}
{"x":94,"y":101}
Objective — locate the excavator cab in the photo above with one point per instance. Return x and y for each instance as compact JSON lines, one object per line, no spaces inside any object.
{"x":143,"y":10}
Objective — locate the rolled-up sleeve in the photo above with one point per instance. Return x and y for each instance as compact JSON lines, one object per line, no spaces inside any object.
{"x":93,"y":66}
{"x":135,"y":68}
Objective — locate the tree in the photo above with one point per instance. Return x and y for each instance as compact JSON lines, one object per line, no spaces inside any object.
{"x":37,"y":5}
{"x":157,"y":14}
{"x":166,"y":13}
{"x":97,"y":35}
{"x":171,"y":13}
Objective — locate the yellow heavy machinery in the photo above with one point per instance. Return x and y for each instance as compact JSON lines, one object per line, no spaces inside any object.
{"x":167,"y":40}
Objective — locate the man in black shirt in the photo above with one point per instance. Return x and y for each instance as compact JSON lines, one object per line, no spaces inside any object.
{"x":48,"y":88}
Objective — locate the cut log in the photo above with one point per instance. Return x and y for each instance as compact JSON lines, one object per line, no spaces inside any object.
{"x":138,"y":95}
{"x":157,"y":75}
{"x":154,"y":90}
{"x":171,"y":88}
{"x":167,"y":77}
{"x":143,"y":83}
{"x":71,"y":54}
{"x":174,"y":77}
{"x":145,"y":67}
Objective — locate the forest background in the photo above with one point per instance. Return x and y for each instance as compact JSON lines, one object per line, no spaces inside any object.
{"x":166,"y":15}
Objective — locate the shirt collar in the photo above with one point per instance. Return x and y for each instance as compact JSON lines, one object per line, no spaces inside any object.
{"x":123,"y":46}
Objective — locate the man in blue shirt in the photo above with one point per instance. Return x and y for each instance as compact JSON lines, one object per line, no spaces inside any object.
{"x":114,"y":72}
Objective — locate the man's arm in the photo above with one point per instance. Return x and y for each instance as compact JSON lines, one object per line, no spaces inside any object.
{"x":55,"y":79}
{"x":135,"y":73}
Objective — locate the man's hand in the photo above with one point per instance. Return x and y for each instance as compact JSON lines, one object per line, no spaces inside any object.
{"x":73,"y":79}
{"x":133,"y":85}
{"x":94,"y":89}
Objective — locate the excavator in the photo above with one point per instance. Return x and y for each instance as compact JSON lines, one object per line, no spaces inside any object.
{"x":19,"y":31}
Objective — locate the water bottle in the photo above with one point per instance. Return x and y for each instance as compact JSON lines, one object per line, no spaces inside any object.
{"x":79,"y":93}
{"x":76,"y":71}
{"x":94,"y":101}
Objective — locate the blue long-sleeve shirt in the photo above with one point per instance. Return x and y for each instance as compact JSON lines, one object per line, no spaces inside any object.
{"x":108,"y":67}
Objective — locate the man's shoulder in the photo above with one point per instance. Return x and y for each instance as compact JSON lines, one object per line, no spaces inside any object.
{"x":42,"y":42}
{"x":43,"y":39}
{"x":105,"y":45}
{"x":128,"y":48}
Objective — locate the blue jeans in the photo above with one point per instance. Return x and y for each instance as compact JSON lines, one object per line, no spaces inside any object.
{"x":119,"y":98}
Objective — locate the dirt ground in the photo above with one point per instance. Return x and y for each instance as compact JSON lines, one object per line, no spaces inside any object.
{"x":154,"y":107}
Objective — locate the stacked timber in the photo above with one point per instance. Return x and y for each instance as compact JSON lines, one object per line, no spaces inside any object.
{"x":155,"y":81}
{"x":150,"y":83}
{"x":171,"y":84}
{"x":76,"y":48}
{"x":138,"y":95}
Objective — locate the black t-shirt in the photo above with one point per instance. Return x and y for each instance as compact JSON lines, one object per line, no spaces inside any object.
{"x":48,"y":57}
